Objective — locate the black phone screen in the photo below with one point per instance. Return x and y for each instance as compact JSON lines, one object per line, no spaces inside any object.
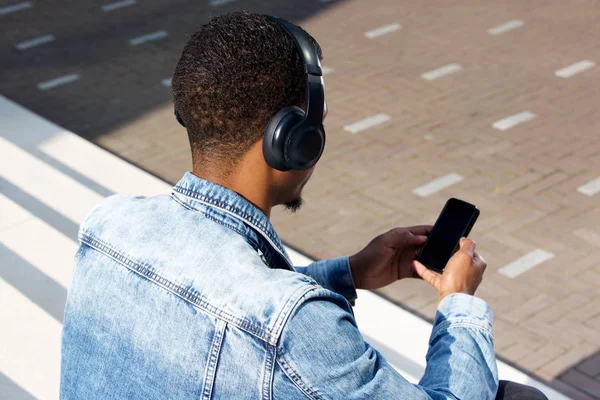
{"x":455,"y":221}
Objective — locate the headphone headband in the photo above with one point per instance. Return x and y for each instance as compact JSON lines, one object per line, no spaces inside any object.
{"x":308,"y":55}
{"x":315,"y":92}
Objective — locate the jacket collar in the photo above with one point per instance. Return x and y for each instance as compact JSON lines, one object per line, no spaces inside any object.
{"x":192,"y":190}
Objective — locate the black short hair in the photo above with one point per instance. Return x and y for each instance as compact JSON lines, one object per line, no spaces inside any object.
{"x":234,"y":73}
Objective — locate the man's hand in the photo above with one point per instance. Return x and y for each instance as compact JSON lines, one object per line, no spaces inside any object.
{"x":462,"y":274}
{"x":388,"y":257}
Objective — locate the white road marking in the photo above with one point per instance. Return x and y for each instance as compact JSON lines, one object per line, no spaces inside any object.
{"x":509,"y":122}
{"x":574,"y":69}
{"x":591,"y":188}
{"x":505,"y":27}
{"x":15,"y":7}
{"x":61,"y":80}
{"x":437,"y":185}
{"x":216,"y":3}
{"x":35,"y":42}
{"x":166,"y":82}
{"x":148,"y":38}
{"x":382,"y":30}
{"x":525,"y":263}
{"x":326,"y":70}
{"x":443,"y":71}
{"x":117,"y":4}
{"x":367,"y":123}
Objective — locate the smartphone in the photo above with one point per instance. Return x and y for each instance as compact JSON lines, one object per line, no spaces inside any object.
{"x":455,"y":221}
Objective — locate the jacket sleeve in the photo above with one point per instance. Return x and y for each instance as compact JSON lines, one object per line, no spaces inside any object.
{"x":322,"y":352}
{"x":333,"y":274}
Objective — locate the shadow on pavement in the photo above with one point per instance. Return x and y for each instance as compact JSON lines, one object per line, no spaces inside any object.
{"x":117,"y":82}
{"x":38,"y":287}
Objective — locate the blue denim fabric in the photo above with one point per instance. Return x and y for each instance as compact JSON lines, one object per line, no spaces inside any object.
{"x":192,"y":296}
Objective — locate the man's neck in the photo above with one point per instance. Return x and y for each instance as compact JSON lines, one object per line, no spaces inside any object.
{"x":256,"y":191}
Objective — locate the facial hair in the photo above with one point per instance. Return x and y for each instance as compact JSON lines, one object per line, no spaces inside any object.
{"x":294,"y":205}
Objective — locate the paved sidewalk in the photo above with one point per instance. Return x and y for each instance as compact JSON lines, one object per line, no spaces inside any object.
{"x":50,"y":180}
{"x":492,"y":102}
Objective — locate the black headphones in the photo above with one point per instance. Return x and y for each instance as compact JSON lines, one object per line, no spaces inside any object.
{"x":294,"y":139}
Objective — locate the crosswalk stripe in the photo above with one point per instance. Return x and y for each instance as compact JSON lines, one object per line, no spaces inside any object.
{"x":383,"y":30}
{"x":438,"y":185}
{"x":574,"y":69}
{"x":525,"y":263}
{"x":513,"y":120}
{"x":440,"y":72}
{"x":505,"y":27}
{"x":591,"y":188}
{"x":367,"y":123}
{"x":35,"y":42}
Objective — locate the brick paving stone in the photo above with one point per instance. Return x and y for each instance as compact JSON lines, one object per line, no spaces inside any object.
{"x":588,"y":235}
{"x":562,"y":335}
{"x":530,"y":307}
{"x":513,"y":334}
{"x":583,"y":382}
{"x":570,"y":391}
{"x":568,"y":360}
{"x":517,"y":352}
{"x":524,"y":179}
{"x":557,"y":310}
{"x":594,"y":322}
{"x":591,"y":277}
{"x":591,"y":366}
{"x":541,"y":356}
{"x":584,"y":332}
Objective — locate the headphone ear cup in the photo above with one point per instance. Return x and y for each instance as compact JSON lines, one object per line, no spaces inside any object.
{"x":277,"y":135}
{"x":305,"y":147}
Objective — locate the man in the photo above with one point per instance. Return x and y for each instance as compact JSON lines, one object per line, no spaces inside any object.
{"x":193,"y":296}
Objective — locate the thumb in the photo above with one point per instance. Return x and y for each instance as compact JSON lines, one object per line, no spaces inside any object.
{"x":428,"y":276}
{"x":417,"y":240}
{"x":467,"y":245}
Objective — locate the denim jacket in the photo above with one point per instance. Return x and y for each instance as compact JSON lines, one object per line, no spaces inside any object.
{"x":192,"y":296}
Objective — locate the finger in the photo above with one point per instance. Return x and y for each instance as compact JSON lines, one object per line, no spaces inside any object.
{"x":467,"y":245}
{"x":421,"y":230}
{"x":414,"y":274}
{"x":428,"y":276}
{"x":418,"y":250}
{"x":398,"y":237}
{"x":479,"y":261}
{"x":417,"y":240}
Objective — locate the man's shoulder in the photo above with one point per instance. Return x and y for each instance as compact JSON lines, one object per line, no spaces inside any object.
{"x":117,"y":208}
{"x":199,"y":260}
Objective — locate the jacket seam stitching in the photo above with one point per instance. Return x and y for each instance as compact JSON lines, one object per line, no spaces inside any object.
{"x":206,"y":215}
{"x":185,"y":294}
{"x":233,"y":228}
{"x":181,"y":203}
{"x":285,"y":313}
{"x":459,"y":324}
{"x":225,"y":224}
{"x":211,"y":366}
{"x":218,"y":203}
{"x":267,"y":388}
{"x":236,"y":211}
{"x":293,"y":376}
